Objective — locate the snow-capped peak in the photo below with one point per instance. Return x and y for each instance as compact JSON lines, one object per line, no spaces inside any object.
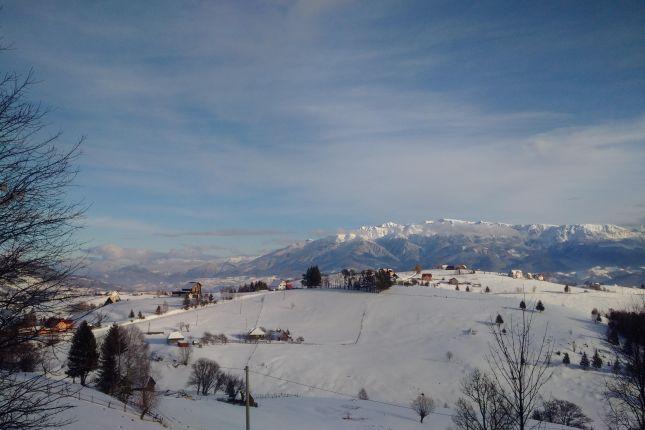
{"x":448,"y":226}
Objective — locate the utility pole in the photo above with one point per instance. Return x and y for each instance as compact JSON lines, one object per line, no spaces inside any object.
{"x":248,"y":395}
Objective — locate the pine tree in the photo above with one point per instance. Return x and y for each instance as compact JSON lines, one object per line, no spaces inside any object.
{"x":539,"y":307}
{"x":499,"y":320}
{"x":487,"y":290}
{"x":141,"y":317}
{"x":522,"y":305}
{"x":312,"y":278}
{"x":566,"y":288}
{"x":467,"y":288}
{"x":584,"y":361}
{"x":598,"y":318}
{"x":109,"y":374}
{"x":617,"y":366}
{"x":83,"y":355}
{"x":158,"y":310}
{"x":131,"y":314}
{"x":596,"y":361}
{"x":566,"y":359}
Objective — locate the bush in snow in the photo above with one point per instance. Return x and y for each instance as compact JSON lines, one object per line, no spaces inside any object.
{"x":522,"y":305}
{"x":449,"y":355}
{"x":539,"y":307}
{"x":362,"y":394}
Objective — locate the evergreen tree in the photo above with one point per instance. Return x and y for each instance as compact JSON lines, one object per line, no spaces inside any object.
{"x":598,"y":318}
{"x":522,"y":305}
{"x":109,"y":374}
{"x":131,"y":314}
{"x":584,"y":361}
{"x":617,"y":366}
{"x":312,"y":278}
{"x":83,"y":355}
{"x":596,"y":361}
{"x":566,"y":359}
{"x":467,"y":288}
{"x":141,"y":317}
{"x":487,"y":290}
{"x":158,"y":310}
{"x":499,"y":320}
{"x":566,"y":288}
{"x":539,"y":307}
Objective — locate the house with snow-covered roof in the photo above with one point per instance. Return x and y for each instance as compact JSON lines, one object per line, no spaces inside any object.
{"x":257,"y":333}
{"x":174,"y":338}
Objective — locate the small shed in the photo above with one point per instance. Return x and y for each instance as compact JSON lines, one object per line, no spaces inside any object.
{"x":174,"y":338}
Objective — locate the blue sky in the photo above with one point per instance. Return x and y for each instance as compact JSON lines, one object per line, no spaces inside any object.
{"x":237,"y":127}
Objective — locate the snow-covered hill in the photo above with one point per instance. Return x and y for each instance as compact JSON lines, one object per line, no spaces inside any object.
{"x":393,"y":344}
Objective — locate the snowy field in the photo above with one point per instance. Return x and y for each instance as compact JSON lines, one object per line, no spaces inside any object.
{"x":394,"y":344}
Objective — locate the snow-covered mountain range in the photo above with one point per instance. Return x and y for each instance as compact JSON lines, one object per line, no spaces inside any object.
{"x":582,"y":251}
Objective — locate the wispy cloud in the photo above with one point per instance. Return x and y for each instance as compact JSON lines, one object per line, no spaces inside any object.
{"x":234,"y":232}
{"x":240,"y":125}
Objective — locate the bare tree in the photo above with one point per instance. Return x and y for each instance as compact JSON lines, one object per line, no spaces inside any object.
{"x":520,"y":366}
{"x":99,"y":317}
{"x":483,"y":406}
{"x":423,"y":406}
{"x":205,"y":375}
{"x":37,"y":227}
{"x":146,"y":400}
{"x":184,"y":355}
{"x":134,"y":363}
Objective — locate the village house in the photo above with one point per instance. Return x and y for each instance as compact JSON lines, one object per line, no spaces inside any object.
{"x":174,"y":338}
{"x":279,"y":285}
{"x":112,"y":297}
{"x":56,"y":325}
{"x":453,"y":281}
{"x":257,"y":333}
{"x":426,"y":277}
{"x":149,"y":385}
{"x":193,"y":290}
{"x":516,"y":274}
